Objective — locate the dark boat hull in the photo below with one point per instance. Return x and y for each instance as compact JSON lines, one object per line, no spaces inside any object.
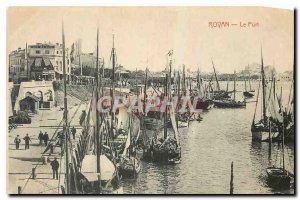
{"x":225,"y":104}
{"x":261,"y":133}
{"x":248,"y":94}
{"x":130,"y":168}
{"x":166,"y":157}
{"x":278,"y":178}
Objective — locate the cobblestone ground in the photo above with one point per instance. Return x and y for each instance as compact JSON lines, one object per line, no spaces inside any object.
{"x":20,"y":162}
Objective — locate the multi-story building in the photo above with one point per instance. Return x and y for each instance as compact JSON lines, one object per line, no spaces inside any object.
{"x":17,"y":65}
{"x":46,"y":61}
{"x":42,"y":61}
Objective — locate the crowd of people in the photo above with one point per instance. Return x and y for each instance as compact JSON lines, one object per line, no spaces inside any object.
{"x":42,"y":137}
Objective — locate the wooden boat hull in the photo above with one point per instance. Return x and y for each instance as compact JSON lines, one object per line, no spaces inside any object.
{"x":204,"y":104}
{"x":129,"y":170}
{"x":223,"y":104}
{"x":278,"y":178}
{"x":166,"y":157}
{"x":248,"y":94}
{"x":261,"y":134}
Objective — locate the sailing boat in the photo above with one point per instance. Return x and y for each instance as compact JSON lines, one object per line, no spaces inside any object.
{"x":129,"y":165}
{"x":260,"y":130}
{"x":251,"y":90}
{"x":167,"y":149}
{"x":98,"y":173}
{"x":165,"y":144}
{"x":203,"y":102}
{"x":218,"y":93}
{"x":289,"y":118}
{"x":230,"y":103}
{"x":279,"y":177}
{"x":247,"y":93}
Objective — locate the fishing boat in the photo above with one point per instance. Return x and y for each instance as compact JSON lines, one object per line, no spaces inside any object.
{"x":203,"y":102}
{"x":260,"y":129}
{"x":279,"y":177}
{"x":129,"y":165}
{"x":288,"y":117}
{"x":217,"y":93}
{"x":247,"y":93}
{"x":167,"y":149}
{"x":165,"y":144}
{"x":98,"y":172}
{"x":229,"y":103}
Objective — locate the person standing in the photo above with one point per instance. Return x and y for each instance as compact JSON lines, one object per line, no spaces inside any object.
{"x":27,"y":139}
{"x":46,"y":138}
{"x":41,"y":137}
{"x":55,"y":165}
{"x":17,"y":142}
{"x":73,"y":131}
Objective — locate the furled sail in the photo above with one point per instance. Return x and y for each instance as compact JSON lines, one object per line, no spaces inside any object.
{"x":172,"y":116}
{"x":273,"y":106}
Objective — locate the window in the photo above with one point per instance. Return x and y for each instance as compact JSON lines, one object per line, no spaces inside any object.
{"x":37,"y":51}
{"x":56,"y":52}
{"x":47,"y":52}
{"x":60,"y":52}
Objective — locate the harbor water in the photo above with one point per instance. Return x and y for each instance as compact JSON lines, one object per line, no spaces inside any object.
{"x":208,"y":148}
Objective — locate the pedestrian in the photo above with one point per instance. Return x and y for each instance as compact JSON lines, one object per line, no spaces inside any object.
{"x":46,"y":138}
{"x":73,"y":131}
{"x":17,"y":141}
{"x":27,"y":139}
{"x":55,"y":165}
{"x":41,"y":137}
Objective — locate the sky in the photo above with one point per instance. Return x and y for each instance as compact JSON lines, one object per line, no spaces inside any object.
{"x":144,"y":35}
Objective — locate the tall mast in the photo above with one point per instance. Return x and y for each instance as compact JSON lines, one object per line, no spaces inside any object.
{"x":198,"y":80}
{"x":145,"y":90}
{"x":263,"y":88}
{"x":80,"y":64}
{"x":102,"y":76}
{"x":249,"y":79}
{"x":165,"y":114}
{"x":184,"y":79}
{"x":190,"y":83}
{"x":245,"y":85}
{"x":274,"y":87}
{"x":113,"y":84}
{"x":65,"y":126}
{"x":178,"y":84}
{"x":98,"y":145}
{"x":234,"y":87}
{"x":283,"y":146}
{"x":136,"y":88}
{"x":218,"y":86}
{"x":113,"y":64}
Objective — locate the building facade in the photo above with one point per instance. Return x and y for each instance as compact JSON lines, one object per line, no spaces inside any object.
{"x":41,"y":61}
{"x":17,"y":65}
{"x":46,"y":61}
{"x":34,"y":96}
